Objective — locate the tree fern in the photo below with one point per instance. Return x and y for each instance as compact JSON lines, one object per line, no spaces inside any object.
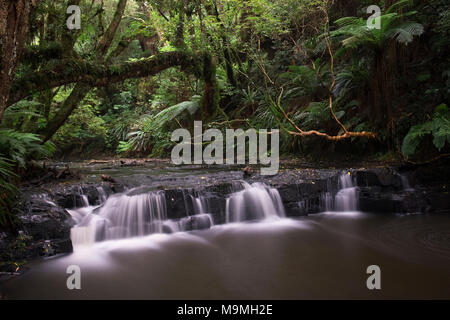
{"x":356,"y":33}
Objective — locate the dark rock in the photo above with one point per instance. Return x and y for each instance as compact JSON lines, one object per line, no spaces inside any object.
{"x":106,"y":178}
{"x":379,"y":203}
{"x":248,"y":171}
{"x":179,"y":203}
{"x":197,"y":222}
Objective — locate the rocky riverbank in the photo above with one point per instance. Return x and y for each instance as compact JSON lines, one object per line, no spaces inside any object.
{"x":44,"y":217}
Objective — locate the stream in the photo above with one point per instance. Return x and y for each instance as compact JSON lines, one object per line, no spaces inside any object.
{"x":130,"y":246}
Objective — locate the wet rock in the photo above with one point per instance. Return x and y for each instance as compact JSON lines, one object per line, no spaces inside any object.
{"x":430,"y":175}
{"x":289,"y":193}
{"x":438,"y":200}
{"x":248,"y":172}
{"x":178,"y":203}
{"x":41,"y":219}
{"x":197,"y":222}
{"x":379,"y":177}
{"x":294,"y":209}
{"x":107,"y":178}
{"x":379,"y":203}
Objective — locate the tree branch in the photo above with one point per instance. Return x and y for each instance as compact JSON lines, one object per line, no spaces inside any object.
{"x":108,"y":36}
{"x":99,"y":75}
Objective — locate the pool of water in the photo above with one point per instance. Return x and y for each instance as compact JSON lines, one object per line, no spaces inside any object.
{"x":324,"y":256}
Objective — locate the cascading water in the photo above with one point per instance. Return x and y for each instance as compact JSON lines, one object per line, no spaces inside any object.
{"x":347,"y":197}
{"x":102,"y":194}
{"x":134,"y":215}
{"x":201,"y":205}
{"x":405,"y":183}
{"x":254,"y":202}
{"x":82,"y":198}
{"x":327,"y":201}
{"x":121,"y":216}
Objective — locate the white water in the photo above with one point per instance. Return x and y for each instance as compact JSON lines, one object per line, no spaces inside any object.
{"x":405,"y":183}
{"x":347,"y":197}
{"x":327,"y":201}
{"x":129,"y":215}
{"x":102,"y":194}
{"x":201,"y":205}
{"x":254,"y":202}
{"x":121,"y":216}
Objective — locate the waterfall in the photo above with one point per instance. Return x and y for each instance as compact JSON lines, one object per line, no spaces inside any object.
{"x":121,"y":216}
{"x":327,"y":201}
{"x":101,"y":195}
{"x":254,"y":202}
{"x":83,"y":198}
{"x":347,"y":197}
{"x":129,"y":216}
{"x":134,"y":214}
{"x":201,"y":205}
{"x":405,"y":183}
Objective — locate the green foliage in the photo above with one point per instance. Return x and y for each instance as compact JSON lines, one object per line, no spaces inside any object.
{"x":356,"y":33}
{"x":169,"y":114}
{"x":83,"y":128}
{"x":306,"y":78}
{"x":16,"y":149}
{"x":267,"y":46}
{"x":438,"y":127}
{"x":16,"y":248}
{"x":8,"y":191}
{"x":314,"y":115}
{"x":20,"y":114}
{"x":22,"y":147}
{"x":352,"y":77}
{"x":151,"y":134}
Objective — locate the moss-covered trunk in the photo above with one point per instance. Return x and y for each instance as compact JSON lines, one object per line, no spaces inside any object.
{"x":14,"y":25}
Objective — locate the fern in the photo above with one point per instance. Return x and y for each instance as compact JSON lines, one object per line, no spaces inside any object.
{"x":169,"y":114}
{"x":123,"y":147}
{"x":356,"y":34}
{"x":147,"y":133}
{"x":21,"y":147}
{"x":8,"y":190}
{"x":439,"y":127}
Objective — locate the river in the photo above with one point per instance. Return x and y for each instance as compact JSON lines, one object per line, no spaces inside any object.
{"x":128,"y":248}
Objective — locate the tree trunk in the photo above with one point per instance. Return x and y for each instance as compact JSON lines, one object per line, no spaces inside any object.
{"x":179,"y":32}
{"x":381,"y":90}
{"x":70,"y":104}
{"x":226,"y":49}
{"x":14,"y":25}
{"x":211,"y":94}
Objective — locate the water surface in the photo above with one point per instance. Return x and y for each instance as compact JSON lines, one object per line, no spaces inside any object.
{"x":323,"y":256}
